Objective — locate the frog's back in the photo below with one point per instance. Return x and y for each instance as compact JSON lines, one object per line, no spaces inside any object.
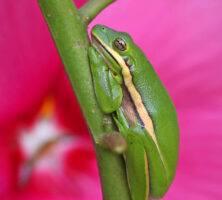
{"x":160,"y":108}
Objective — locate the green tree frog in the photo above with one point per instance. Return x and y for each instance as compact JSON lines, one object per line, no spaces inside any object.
{"x":127,"y":86}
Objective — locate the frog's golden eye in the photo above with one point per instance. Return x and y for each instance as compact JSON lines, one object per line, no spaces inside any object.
{"x":120,"y":44}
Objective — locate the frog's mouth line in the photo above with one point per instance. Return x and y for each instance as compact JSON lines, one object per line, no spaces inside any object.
{"x":103,"y":50}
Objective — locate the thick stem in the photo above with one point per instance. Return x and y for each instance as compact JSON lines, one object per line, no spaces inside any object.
{"x":71,"y":39}
{"x":92,"y":8}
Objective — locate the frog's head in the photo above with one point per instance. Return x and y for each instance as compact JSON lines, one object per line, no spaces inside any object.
{"x":117,"y":48}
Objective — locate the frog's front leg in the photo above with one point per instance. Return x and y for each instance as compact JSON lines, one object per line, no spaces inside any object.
{"x":108,"y":91}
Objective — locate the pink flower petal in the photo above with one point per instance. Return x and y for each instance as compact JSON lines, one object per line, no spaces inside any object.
{"x":182,"y":39}
{"x":29,"y":62}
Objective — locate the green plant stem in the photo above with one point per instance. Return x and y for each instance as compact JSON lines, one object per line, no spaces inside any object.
{"x":92,"y":8}
{"x":71,"y":39}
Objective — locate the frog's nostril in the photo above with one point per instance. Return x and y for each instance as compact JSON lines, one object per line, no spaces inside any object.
{"x":103,"y":28}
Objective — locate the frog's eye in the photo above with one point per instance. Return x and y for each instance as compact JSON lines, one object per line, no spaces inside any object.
{"x":120,"y":44}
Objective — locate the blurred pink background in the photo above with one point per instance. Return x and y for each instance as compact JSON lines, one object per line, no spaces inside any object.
{"x":183,"y":41}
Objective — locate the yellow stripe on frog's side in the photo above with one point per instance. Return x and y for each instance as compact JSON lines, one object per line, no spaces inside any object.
{"x":135,"y":95}
{"x":147,"y":175}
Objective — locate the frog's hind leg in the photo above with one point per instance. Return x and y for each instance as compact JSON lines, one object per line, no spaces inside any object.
{"x":135,"y":158}
{"x":157,"y":167}
{"x":137,"y":166}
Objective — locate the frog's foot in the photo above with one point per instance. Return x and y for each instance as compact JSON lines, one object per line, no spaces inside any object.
{"x":121,"y":122}
{"x":114,"y":141}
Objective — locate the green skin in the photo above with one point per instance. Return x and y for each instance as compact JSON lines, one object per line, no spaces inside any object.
{"x":108,"y":78}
